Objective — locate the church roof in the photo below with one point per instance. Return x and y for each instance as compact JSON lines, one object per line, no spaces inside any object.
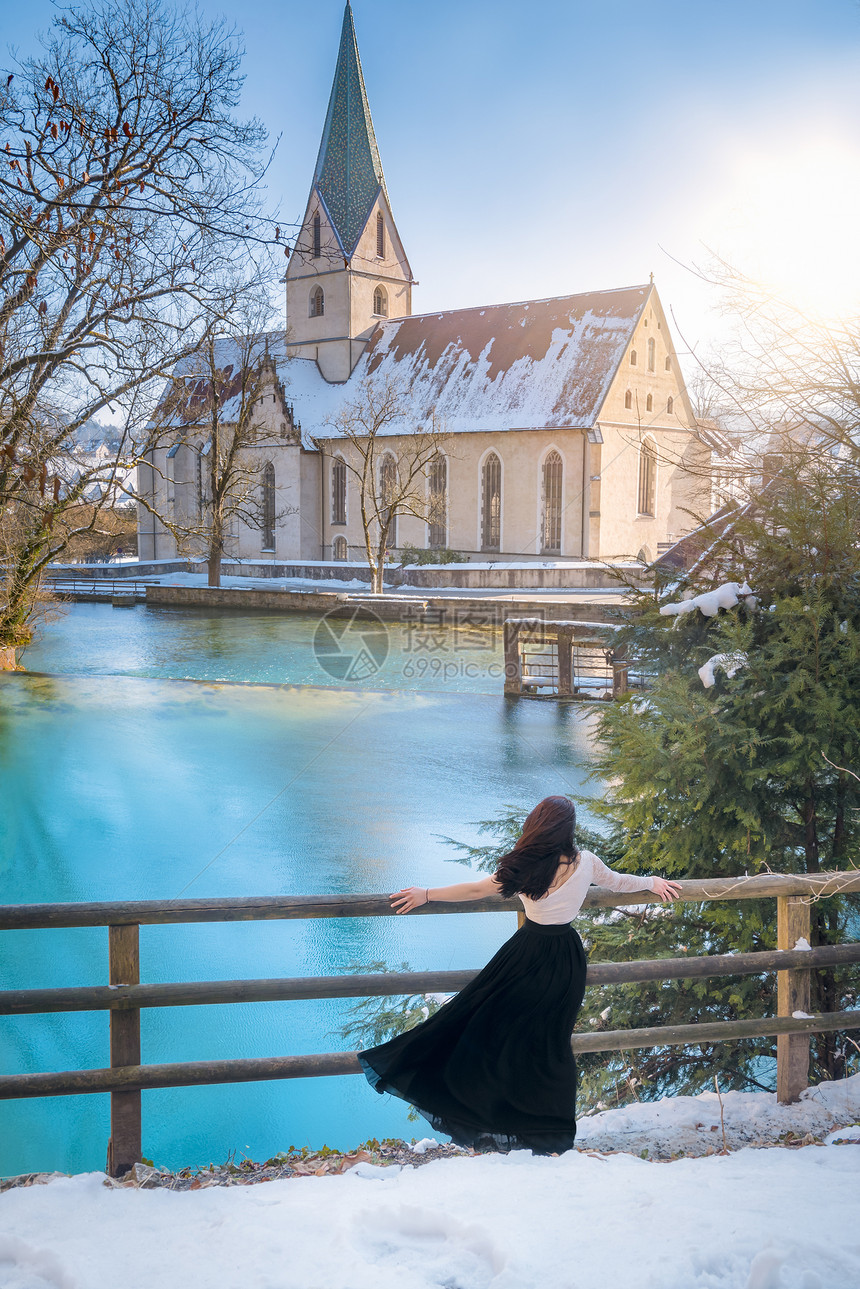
{"x":348,"y":173}
{"x":539,"y":364}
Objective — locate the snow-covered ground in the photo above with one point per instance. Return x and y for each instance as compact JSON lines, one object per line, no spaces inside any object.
{"x":750,"y":1219}
{"x":261,"y":583}
{"x":356,"y":585}
{"x":693,"y":1125}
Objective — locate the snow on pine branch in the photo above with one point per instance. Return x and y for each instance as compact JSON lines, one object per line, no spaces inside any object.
{"x":709,"y":603}
{"x":730,"y":663}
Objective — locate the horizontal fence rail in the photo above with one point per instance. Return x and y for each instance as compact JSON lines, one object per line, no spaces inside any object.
{"x":28,"y":917}
{"x":199,"y":993}
{"x":183,"y":1074}
{"x":97,"y":586}
{"x":124,"y":997}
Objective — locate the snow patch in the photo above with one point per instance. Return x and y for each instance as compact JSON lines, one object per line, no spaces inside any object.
{"x":731,"y":663}
{"x":709,"y":603}
{"x":425,"y":1144}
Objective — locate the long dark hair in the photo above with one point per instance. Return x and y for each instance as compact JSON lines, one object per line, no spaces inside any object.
{"x":533,"y":863}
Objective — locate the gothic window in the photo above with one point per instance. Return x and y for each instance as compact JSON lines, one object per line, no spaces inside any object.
{"x":668,"y":364}
{"x":380,"y":236}
{"x":388,"y":496}
{"x":649,"y":403}
{"x":317,"y":236}
{"x":268,"y":507}
{"x":628,"y":398}
{"x":670,"y":405}
{"x":199,"y":481}
{"x":437,"y":510}
{"x":491,"y":504}
{"x":317,"y":308}
{"x":551,"y":505}
{"x":652,"y":350}
{"x":338,"y":491}
{"x":340,"y":549}
{"x":633,"y":358}
{"x":647,"y":477}
{"x":380,"y":302}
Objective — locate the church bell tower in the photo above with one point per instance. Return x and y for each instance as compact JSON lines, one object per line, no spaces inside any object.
{"x":348,"y":270}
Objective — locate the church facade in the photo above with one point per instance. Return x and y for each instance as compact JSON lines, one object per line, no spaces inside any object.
{"x":564,"y":427}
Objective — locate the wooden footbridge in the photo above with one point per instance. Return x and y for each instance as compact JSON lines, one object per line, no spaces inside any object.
{"x":124,"y":996}
{"x":565,"y":659}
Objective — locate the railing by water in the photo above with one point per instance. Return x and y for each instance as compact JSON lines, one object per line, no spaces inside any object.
{"x":95,"y":588}
{"x":124,"y":996}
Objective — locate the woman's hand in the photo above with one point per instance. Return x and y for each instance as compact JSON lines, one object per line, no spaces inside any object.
{"x":411,"y":898}
{"x":667,"y":891}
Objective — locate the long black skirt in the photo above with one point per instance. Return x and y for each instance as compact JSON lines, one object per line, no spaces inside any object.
{"x":494,"y":1066}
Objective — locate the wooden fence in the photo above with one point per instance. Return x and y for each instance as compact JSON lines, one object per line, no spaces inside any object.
{"x":124,"y":996}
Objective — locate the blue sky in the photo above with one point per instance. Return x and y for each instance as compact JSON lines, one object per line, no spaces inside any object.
{"x":542,"y":149}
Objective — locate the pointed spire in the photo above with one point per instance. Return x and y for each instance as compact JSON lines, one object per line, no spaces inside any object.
{"x":348,"y":172}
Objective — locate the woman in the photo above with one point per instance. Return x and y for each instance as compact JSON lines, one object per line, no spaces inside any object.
{"x":493,"y":1068}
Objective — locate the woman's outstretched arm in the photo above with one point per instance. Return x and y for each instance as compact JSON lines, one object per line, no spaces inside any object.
{"x":414,"y":896}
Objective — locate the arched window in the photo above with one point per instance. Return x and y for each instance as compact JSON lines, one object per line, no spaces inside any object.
{"x":652,"y":355}
{"x":380,"y":235}
{"x":628,"y":398}
{"x":388,"y":496}
{"x":317,"y":307}
{"x":551,"y":505}
{"x":380,"y":302}
{"x":633,"y":359}
{"x":437,"y":478}
{"x":491,"y":504}
{"x":339,"y":548}
{"x":668,"y":364}
{"x":268,"y":507}
{"x":338,"y":491}
{"x":670,"y":405}
{"x":649,"y":403}
{"x":317,"y":236}
{"x":199,"y":494}
{"x":647,"y":478}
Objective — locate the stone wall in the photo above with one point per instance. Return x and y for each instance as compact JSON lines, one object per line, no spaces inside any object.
{"x":488,"y":612}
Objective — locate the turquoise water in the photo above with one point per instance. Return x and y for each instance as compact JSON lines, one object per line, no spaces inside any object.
{"x":122,"y":786}
{"x":258,"y":648}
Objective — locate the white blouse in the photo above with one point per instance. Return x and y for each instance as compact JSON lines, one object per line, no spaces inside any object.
{"x":563,"y":904}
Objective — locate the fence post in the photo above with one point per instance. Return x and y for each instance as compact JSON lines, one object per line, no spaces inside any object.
{"x":793,"y":991}
{"x":564,"y":650}
{"x":513,"y":661}
{"x":620,"y":679}
{"x":124,"y":1148}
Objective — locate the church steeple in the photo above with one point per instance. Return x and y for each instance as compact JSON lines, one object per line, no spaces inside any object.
{"x":348,"y":173}
{"x":348,"y":271}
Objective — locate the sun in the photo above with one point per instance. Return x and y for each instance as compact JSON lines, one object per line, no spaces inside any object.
{"x":791,"y":220}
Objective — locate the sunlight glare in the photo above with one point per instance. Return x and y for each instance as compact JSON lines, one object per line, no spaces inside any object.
{"x":792,"y":220}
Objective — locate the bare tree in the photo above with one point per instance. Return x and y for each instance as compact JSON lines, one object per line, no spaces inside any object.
{"x":784,"y":370}
{"x":127,"y":191}
{"x":388,"y":461}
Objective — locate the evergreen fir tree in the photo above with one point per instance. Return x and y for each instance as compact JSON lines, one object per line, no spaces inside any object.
{"x":757,"y":773}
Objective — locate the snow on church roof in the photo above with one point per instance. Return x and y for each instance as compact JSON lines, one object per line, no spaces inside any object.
{"x":539,"y":364}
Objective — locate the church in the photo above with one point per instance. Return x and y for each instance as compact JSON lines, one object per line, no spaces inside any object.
{"x":563,"y":426}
